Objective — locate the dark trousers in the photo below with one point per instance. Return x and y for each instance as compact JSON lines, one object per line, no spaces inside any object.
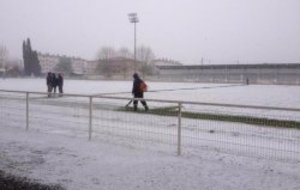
{"x":49,"y":90}
{"x":54,"y":88}
{"x":60,"y":89}
{"x":135,"y":102}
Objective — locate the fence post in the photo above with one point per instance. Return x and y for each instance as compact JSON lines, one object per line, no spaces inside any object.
{"x":27,"y":111}
{"x":179,"y":130}
{"x":90,"y":117}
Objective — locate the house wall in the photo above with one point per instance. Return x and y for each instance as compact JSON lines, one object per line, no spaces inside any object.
{"x":286,"y":74}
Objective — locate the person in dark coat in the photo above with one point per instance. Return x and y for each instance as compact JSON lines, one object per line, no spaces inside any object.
{"x":60,"y":83}
{"x":137,"y":92}
{"x":54,"y":82}
{"x":49,"y":83}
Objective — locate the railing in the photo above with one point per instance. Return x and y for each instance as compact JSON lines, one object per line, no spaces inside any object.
{"x":191,"y":127}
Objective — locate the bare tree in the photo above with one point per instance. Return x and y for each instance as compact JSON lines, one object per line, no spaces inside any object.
{"x":13,"y":67}
{"x":106,"y":53}
{"x":145,"y":55}
{"x":125,"y":52}
{"x":123,"y":64}
{"x":104,"y":56}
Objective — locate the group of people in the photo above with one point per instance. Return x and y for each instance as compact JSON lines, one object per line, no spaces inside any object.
{"x":139,"y":87}
{"x":53,"y":81}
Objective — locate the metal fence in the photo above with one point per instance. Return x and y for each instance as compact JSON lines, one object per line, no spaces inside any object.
{"x":189,"y":128}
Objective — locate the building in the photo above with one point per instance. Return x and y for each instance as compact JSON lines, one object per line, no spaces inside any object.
{"x":119,"y":66}
{"x":91,"y":67}
{"x":288,"y":74}
{"x":49,"y":62}
{"x":79,"y":66}
{"x":165,"y":62}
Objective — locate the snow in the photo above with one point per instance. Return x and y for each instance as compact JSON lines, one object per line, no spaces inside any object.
{"x":79,"y":164}
{"x":267,"y":95}
{"x":57,"y":154}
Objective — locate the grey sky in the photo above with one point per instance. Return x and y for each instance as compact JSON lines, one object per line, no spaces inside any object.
{"x":223,"y":31}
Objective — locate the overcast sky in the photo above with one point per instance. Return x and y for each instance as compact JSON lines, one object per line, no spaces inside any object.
{"x":220,"y":31}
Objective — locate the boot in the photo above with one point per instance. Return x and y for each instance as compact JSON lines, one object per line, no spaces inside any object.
{"x":146,"y":108}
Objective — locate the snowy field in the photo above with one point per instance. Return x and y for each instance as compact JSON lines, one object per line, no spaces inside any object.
{"x":48,"y":152}
{"x":263,"y":95}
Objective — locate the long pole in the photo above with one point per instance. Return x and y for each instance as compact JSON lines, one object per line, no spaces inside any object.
{"x":90,"y":117}
{"x":179,"y":130}
{"x":27,"y":111}
{"x":134,"y":19}
{"x":135,"y":47}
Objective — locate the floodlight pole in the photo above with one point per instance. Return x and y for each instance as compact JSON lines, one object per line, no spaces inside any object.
{"x":134,"y":46}
{"x":134,"y":19}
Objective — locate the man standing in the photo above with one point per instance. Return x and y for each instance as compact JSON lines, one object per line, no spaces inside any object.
{"x":60,"y":83}
{"x":49,"y":83}
{"x":54,"y":82}
{"x":138,"y":89}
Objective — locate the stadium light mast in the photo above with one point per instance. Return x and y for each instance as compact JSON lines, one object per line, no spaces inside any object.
{"x":134,"y":19}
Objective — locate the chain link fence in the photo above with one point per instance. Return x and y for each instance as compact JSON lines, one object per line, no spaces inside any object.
{"x":188,"y":128}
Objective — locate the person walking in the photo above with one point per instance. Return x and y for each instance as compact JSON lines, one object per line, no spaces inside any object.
{"x":49,"y":83}
{"x":60,"y":83}
{"x":138,"y":89}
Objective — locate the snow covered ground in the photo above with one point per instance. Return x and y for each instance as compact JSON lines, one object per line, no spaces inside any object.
{"x":49,"y":152}
{"x":79,"y":164}
{"x":263,"y":95}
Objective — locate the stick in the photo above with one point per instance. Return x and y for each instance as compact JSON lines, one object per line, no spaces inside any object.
{"x":128,"y":103}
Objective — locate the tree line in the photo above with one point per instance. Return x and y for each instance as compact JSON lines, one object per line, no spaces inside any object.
{"x":107,"y":65}
{"x":106,"y":60}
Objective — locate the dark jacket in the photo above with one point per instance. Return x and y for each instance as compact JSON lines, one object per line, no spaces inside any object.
{"x":136,"y":84}
{"x":54,"y":80}
{"x":49,"y":79}
{"x":60,"y":80}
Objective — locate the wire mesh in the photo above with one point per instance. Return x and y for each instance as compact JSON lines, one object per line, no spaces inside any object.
{"x":13,"y":109}
{"x":245,"y":132}
{"x":241,"y":131}
{"x":115,"y":122}
{"x":66,"y":115}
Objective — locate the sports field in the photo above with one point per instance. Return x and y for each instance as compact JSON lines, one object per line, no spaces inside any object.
{"x":138,"y":150}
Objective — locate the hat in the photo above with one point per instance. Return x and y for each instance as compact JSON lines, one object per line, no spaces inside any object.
{"x":135,"y":75}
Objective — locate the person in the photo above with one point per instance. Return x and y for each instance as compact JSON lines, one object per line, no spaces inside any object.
{"x":54,"y":82}
{"x":138,"y":92}
{"x":60,"y":83}
{"x":49,"y":83}
{"x":247,"y":81}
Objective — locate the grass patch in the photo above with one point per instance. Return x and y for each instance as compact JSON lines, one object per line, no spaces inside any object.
{"x":173,"y":111}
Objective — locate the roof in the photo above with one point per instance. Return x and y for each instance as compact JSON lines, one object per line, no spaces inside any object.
{"x":234,"y":66}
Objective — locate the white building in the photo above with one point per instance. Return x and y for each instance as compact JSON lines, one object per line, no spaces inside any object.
{"x":165,"y":62}
{"x":48,"y":63}
{"x":91,"y":67}
{"x":79,"y":65}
